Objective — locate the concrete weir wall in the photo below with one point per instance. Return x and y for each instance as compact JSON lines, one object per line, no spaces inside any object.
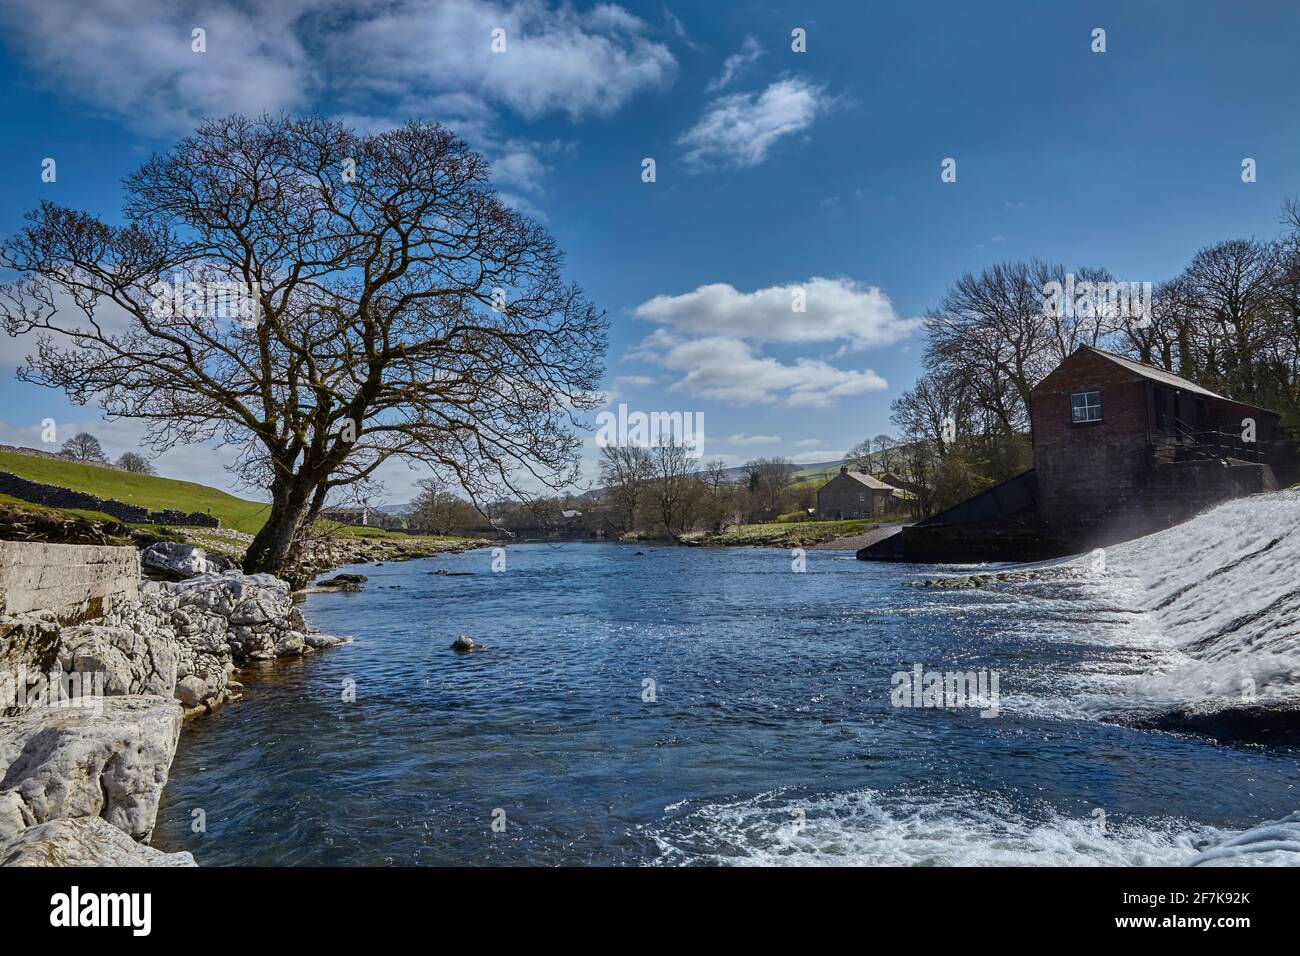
{"x":74,"y":581}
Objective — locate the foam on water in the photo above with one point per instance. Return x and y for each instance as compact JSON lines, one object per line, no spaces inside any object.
{"x":1209,"y":611}
{"x":869,"y":828}
{"x":1222,"y":592}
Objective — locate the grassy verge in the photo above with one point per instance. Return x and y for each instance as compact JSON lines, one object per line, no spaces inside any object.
{"x":147,"y":491}
{"x":787,"y":534}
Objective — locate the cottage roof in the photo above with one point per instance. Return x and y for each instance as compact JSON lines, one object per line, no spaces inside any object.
{"x":874,"y":483}
{"x":1155,"y":374}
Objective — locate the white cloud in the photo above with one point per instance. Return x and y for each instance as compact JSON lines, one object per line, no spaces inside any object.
{"x":734,"y":65}
{"x":378,"y":65}
{"x":555,"y":59}
{"x":835,"y":310}
{"x":135,"y":60}
{"x":740,"y":129}
{"x":742,"y":439}
{"x":677,"y":27}
{"x":807,"y":443}
{"x":706,"y":336}
{"x":727,"y":369}
{"x":815,"y":457}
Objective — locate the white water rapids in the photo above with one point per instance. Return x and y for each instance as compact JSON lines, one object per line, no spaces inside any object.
{"x":1207,"y":616}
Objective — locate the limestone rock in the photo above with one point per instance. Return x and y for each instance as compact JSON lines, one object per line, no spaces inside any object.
{"x":258,"y":609}
{"x":175,"y":560}
{"x":65,"y":762}
{"x":191,"y":690}
{"x":322,"y":641}
{"x":29,"y":649}
{"x":131,"y":662}
{"x":291,"y":644}
{"x":84,"y":841}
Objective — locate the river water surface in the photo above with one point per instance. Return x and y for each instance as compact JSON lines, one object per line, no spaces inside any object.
{"x":770,"y":737}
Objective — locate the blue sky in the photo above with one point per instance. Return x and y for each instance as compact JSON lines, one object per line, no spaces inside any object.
{"x":773,"y":168}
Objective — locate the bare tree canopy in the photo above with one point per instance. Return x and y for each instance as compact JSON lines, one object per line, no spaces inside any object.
{"x":136,"y":464}
{"x":84,"y":446}
{"x":436,"y":508}
{"x":392,"y":305}
{"x":767,"y":479}
{"x":625,"y":471}
{"x":676,"y":488}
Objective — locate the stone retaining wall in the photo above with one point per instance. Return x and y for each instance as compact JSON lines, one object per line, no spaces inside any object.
{"x":55,"y":496}
{"x":74,"y":582}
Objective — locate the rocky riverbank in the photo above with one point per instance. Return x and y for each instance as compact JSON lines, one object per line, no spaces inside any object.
{"x":91,"y":713}
{"x":326,"y":552}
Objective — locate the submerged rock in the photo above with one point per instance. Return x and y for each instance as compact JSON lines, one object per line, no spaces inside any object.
{"x":1270,"y":722}
{"x":84,"y":841}
{"x":343,"y":582}
{"x":464,"y":644}
{"x":321,"y":641}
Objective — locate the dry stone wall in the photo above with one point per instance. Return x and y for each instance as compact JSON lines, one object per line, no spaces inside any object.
{"x":56,"y":496}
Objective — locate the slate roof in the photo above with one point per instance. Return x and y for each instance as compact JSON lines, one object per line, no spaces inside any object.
{"x":1156,"y":374}
{"x":873,"y":483}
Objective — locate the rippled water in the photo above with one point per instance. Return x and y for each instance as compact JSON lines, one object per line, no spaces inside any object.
{"x":772,"y":737}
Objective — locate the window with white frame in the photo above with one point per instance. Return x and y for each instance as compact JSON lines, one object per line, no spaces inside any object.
{"x":1085,"y":406}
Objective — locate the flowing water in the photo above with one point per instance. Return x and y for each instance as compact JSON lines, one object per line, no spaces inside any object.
{"x":651,"y":705}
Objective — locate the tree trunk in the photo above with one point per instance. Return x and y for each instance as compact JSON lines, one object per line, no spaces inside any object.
{"x":270,"y":549}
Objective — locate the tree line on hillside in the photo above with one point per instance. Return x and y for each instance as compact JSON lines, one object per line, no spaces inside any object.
{"x":656,"y":491}
{"x":85,"y":448}
{"x":661,"y":490}
{"x":1230,"y":322}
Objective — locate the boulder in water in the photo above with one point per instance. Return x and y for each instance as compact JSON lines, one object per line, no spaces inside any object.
{"x":464,"y":644}
{"x":343,"y":582}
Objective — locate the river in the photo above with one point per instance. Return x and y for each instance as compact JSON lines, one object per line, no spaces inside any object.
{"x":652,"y":705}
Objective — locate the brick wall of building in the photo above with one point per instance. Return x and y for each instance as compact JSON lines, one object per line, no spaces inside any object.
{"x":1091,"y":470}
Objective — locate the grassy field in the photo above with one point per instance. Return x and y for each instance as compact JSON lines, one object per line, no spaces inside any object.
{"x":147,"y":491}
{"x":782,"y":533}
{"x":154,"y":493}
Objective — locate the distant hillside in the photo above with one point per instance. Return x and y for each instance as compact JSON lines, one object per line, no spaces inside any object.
{"x":148,"y":491}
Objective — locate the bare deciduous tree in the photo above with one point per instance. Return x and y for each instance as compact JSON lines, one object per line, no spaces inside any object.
{"x":768,"y":478}
{"x":136,"y":464}
{"x":932,"y":411}
{"x":398,"y":308}
{"x":85,"y":447}
{"x":718,"y":505}
{"x":625,"y":473}
{"x":439,"y":510}
{"x":884,"y":447}
{"x":676,"y":489}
